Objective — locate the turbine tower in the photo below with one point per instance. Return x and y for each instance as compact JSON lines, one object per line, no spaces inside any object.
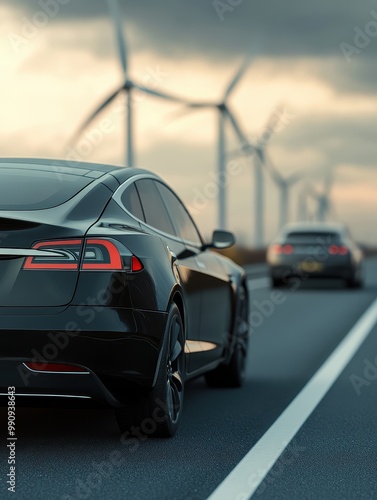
{"x":324,"y":199}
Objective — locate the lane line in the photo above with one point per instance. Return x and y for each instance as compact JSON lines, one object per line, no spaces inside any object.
{"x":245,"y":478}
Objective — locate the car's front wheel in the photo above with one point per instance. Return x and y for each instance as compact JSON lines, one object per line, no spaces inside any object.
{"x":159,"y":414}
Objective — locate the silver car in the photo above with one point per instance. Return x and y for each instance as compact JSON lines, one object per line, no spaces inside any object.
{"x":315,"y":250}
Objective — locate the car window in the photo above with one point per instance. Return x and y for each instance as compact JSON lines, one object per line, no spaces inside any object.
{"x":312,"y":236}
{"x":131,"y":201}
{"x":154,"y":209}
{"x":185,"y":226}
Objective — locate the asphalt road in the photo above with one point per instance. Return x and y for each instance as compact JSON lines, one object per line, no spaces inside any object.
{"x":65,"y":454}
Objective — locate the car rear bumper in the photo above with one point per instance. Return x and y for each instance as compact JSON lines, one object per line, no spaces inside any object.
{"x":333,"y":268}
{"x":118,"y":349}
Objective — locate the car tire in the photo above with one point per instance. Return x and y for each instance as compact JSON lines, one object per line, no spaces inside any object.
{"x":354,"y":283}
{"x":159,"y":414}
{"x":357,"y":279}
{"x":276,"y":282}
{"x":232,"y":374}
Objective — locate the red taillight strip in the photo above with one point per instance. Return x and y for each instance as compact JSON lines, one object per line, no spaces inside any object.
{"x":276,"y":249}
{"x":335,"y":250}
{"x":55,"y":367}
{"x":283,"y":249}
{"x":111,"y":256}
{"x":57,"y":243}
{"x":288,"y":249}
{"x":115,"y":258}
{"x":29,"y":264}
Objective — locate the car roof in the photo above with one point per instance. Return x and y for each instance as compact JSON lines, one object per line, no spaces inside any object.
{"x":74,"y":167}
{"x":307,"y":227}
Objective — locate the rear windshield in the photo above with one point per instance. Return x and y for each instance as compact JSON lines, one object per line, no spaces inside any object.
{"x":313,"y":236}
{"x":22,"y":189}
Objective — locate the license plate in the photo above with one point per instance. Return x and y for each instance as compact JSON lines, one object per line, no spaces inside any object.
{"x":310,"y":266}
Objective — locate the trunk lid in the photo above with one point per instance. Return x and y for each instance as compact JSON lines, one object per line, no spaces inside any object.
{"x":33,"y":287}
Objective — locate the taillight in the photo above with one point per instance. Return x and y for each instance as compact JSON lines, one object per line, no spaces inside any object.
{"x":283,"y":249}
{"x":69,"y":258}
{"x":136,"y":264}
{"x":288,"y":249}
{"x":96,"y":254}
{"x":338,"y":250}
{"x":55,"y":367}
{"x":101,"y":255}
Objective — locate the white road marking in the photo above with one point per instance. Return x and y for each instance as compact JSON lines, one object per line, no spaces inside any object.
{"x":258,"y":283}
{"x":245,"y":478}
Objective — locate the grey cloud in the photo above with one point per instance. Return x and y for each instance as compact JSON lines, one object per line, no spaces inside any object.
{"x":341,"y":140}
{"x":359,"y":76}
{"x":276,"y":29}
{"x":181,"y":27}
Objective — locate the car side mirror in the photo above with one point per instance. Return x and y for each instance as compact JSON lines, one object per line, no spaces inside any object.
{"x":221,"y":240}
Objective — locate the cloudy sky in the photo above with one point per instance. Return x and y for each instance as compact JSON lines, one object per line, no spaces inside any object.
{"x":58,"y":60}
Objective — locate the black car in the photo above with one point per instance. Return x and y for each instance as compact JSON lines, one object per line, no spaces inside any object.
{"x":108,"y":294}
{"x":315,"y":250}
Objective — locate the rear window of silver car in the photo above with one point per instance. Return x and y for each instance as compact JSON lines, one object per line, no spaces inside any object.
{"x":314,"y":236}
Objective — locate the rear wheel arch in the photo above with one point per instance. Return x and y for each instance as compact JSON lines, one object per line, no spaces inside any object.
{"x":177,"y":299}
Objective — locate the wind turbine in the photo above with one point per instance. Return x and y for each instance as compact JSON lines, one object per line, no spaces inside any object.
{"x":128,"y":86}
{"x":259,"y":151}
{"x":322,"y":198}
{"x":224,"y":114}
{"x":284,"y":184}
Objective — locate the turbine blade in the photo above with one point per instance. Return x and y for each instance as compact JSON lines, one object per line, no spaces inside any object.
{"x":237,"y":129}
{"x":182,"y":112}
{"x":186,"y":109}
{"x":94,"y":115}
{"x":270,"y":166}
{"x":120,"y":38}
{"x":272,"y":123}
{"x":164,"y":95}
{"x":292,"y":179}
{"x":237,"y":77}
